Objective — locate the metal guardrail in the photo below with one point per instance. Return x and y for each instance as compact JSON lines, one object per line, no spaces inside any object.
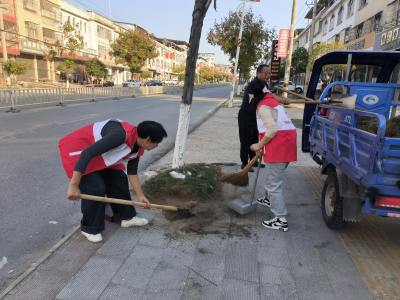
{"x":21,"y":97}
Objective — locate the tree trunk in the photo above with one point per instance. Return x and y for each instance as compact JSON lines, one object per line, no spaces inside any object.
{"x":67,"y":80}
{"x":199,"y":12}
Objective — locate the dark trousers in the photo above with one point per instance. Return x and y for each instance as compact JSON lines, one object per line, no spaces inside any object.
{"x":106,"y":182}
{"x":248,"y":134}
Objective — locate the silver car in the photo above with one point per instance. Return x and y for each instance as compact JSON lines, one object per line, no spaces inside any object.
{"x":132,"y":83}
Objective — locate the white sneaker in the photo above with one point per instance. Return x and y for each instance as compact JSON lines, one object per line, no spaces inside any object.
{"x":135,"y":221}
{"x":94,"y":238}
{"x":276,"y":224}
{"x":264,"y":201}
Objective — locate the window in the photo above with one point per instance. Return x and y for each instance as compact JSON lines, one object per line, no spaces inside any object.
{"x":347,"y":35}
{"x":340,"y":15}
{"x":377,"y":21}
{"x":84,"y":26}
{"x":103,"y":32}
{"x":350,"y":8}
{"x":103,"y":50}
{"x":360,"y":30}
{"x":331,"y":2}
{"x":332,"y":23}
{"x":317,"y":27}
{"x":80,"y":26}
{"x":307,"y":38}
{"x":32,"y":30}
{"x":363,"y":3}
{"x":31,"y":5}
{"x":325,"y":27}
{"x":73,"y":22}
{"x":337,"y":38}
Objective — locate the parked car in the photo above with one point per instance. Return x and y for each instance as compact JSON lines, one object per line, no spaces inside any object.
{"x":132,"y":83}
{"x":108,"y":83}
{"x":319,"y":85}
{"x":154,"y":83}
{"x":293,"y":87}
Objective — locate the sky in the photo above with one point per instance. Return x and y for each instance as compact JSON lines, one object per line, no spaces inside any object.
{"x":173,"y":19}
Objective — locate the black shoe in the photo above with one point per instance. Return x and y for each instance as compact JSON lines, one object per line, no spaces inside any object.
{"x":244,"y":166}
{"x":261,"y":166}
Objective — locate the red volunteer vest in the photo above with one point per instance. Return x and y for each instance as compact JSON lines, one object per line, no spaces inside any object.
{"x":282,"y":148}
{"x":72,"y":145}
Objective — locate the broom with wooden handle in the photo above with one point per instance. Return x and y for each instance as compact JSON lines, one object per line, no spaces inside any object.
{"x":134,"y":203}
{"x":307,"y":100}
{"x":240,"y":178}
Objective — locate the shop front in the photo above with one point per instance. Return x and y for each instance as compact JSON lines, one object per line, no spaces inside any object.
{"x":388,"y":40}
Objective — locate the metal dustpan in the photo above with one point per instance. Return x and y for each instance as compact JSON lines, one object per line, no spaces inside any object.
{"x":244,"y":204}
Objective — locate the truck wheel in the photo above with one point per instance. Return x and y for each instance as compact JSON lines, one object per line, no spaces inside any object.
{"x":299,"y":90}
{"x":332,"y":203}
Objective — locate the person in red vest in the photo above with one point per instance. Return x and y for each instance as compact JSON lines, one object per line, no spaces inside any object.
{"x":93,"y":158}
{"x":278,"y":143}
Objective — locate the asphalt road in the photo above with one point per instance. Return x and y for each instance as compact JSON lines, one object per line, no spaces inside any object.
{"x":34,"y":213}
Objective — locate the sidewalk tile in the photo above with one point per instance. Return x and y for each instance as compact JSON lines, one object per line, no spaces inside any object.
{"x":121,"y":292}
{"x":276,"y":275}
{"x":350,"y":286}
{"x":240,"y":290}
{"x":147,"y":256}
{"x":278,"y":292}
{"x":337,"y":262}
{"x":269,"y":237}
{"x":241,"y":262}
{"x":314,"y":277}
{"x":214,"y":244}
{"x":163,"y":295}
{"x":92,"y":279}
{"x":304,"y":258}
{"x":133,"y":275}
{"x":299,"y":240}
{"x":273,"y":256}
{"x":187,"y":243}
{"x":305,"y":293}
{"x":154,"y":237}
{"x":175,"y":259}
{"x":199,"y":288}
{"x":121,"y":243}
{"x":167,"y":279}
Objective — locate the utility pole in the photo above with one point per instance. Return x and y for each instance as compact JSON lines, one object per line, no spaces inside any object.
{"x":3,"y":43}
{"x":310,"y":45}
{"x":237,"y":56}
{"x":289,"y":59}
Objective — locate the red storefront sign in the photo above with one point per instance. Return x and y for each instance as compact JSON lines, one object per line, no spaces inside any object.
{"x":283,"y":43}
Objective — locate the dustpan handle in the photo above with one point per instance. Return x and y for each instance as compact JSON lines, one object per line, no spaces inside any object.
{"x":255,"y":181}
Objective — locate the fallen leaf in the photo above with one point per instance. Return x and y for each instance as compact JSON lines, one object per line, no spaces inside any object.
{"x":300,"y":264}
{"x":32,"y":264}
{"x":9,"y":272}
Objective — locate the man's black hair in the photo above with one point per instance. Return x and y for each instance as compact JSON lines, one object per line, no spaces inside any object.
{"x":261,"y":67}
{"x":152,"y":129}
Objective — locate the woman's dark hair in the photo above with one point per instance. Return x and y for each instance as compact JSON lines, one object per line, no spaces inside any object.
{"x":152,"y":129}
{"x":256,"y":88}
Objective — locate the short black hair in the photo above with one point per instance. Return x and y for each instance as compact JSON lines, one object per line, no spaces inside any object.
{"x":261,"y":67}
{"x":152,"y":129}
{"x":256,"y":88}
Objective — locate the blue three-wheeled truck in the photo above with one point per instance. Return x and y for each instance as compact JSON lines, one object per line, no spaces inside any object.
{"x":362,"y":167}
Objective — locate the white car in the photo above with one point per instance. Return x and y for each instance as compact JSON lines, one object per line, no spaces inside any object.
{"x":293,"y":87}
{"x":132,"y":83}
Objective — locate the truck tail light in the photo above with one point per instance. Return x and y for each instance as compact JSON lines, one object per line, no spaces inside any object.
{"x":384,"y":201}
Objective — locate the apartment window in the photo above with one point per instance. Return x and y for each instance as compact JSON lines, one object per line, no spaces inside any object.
{"x":363,"y":3}
{"x":50,"y":36}
{"x":347,"y":35}
{"x":337,"y":38}
{"x":69,"y":19}
{"x":80,"y":26}
{"x":32,"y":30}
{"x":360,"y":30}
{"x":306,"y":38}
{"x":31,"y":5}
{"x":84,"y":26}
{"x":340,"y":15}
{"x":325,"y":27}
{"x":331,"y":3}
{"x":377,"y":21}
{"x":103,"y":50}
{"x":350,"y":8}
{"x":317,"y":27}
{"x":103,"y":32}
{"x":73,"y":22}
{"x":332,"y":23}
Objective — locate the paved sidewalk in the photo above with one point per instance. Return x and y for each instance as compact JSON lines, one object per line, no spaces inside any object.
{"x":241,"y":260}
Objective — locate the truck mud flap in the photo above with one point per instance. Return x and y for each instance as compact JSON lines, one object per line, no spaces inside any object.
{"x":351,"y":199}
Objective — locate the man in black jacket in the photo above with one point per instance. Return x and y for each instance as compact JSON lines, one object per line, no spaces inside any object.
{"x":247,"y":119}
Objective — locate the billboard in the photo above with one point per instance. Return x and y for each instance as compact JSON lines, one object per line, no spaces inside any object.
{"x":284,"y":35}
{"x":275,"y":63}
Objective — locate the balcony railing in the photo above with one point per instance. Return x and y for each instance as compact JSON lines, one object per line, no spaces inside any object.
{"x":31,"y":5}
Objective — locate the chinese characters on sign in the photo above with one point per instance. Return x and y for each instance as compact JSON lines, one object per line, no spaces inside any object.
{"x":275,"y":63}
{"x":387,"y":40}
{"x":33,"y":47}
{"x":283,"y":42}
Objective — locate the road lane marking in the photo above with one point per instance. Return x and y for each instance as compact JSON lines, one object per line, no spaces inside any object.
{"x":3,"y":262}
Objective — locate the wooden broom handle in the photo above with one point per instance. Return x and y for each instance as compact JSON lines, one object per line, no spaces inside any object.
{"x":295,"y":94}
{"x":126,"y":202}
{"x":251,"y":163}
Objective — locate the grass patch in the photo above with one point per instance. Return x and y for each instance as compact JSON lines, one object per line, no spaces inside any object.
{"x":199,"y":183}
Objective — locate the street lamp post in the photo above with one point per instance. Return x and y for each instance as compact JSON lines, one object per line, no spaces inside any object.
{"x":237,"y":56}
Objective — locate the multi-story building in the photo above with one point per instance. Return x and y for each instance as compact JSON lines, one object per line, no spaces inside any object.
{"x":387,"y":36}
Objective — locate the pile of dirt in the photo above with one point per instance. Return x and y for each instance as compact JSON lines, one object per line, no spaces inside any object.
{"x":371,"y":125}
{"x":200,"y":192}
